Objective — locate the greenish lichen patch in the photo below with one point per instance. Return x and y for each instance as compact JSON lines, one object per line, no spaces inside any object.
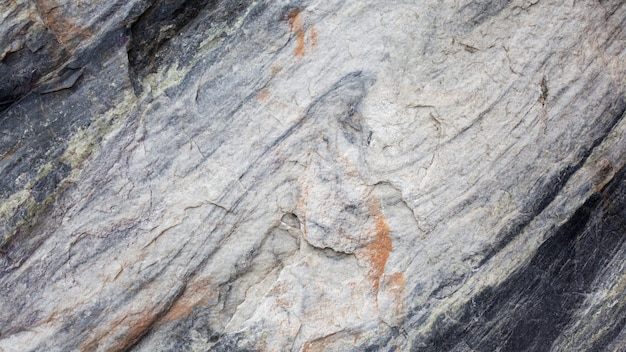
{"x":85,"y":141}
{"x":154,"y":83}
{"x":22,"y":209}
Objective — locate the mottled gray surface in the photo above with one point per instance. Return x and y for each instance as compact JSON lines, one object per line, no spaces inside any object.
{"x":313,"y":176}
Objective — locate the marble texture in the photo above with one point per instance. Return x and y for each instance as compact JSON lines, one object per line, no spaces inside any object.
{"x":198,"y":175}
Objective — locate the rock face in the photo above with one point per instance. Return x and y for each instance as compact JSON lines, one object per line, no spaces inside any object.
{"x":198,"y":175}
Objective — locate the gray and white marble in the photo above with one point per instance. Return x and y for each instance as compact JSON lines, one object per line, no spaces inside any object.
{"x":198,"y":175}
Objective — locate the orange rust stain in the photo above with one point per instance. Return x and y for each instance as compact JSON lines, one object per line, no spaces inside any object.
{"x":65,"y":29}
{"x":263,"y":95}
{"x":378,"y":251}
{"x":316,"y":345}
{"x":299,"y":51}
{"x":336,"y":341}
{"x":603,"y":170}
{"x":320,"y":344}
{"x":393,"y":287}
{"x":126,"y":330}
{"x":313,"y":37}
{"x":194,"y":295}
{"x":394,"y":283}
{"x":296,"y":24}
{"x":276,"y":69}
{"x":294,"y":19}
{"x":279,"y":289}
{"x":50,"y":318}
{"x":396,"y":279}
{"x":137,"y":325}
{"x":283,"y":303}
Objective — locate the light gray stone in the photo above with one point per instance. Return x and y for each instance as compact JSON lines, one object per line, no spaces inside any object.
{"x":314,"y":176}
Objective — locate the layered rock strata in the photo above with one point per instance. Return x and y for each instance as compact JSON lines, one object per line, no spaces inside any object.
{"x":200,"y":175}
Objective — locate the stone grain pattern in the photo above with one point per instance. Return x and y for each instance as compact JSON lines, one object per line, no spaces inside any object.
{"x":199,"y":175}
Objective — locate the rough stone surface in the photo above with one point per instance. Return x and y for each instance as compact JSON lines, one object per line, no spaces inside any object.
{"x":198,"y":175}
